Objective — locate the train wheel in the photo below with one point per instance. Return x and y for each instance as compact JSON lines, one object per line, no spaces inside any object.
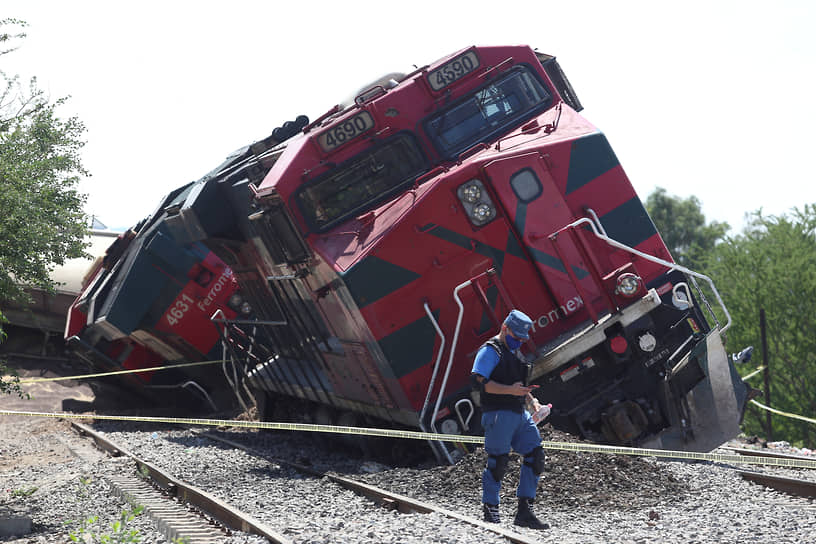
{"x":353,"y":442}
{"x":322,"y":415}
{"x":266,"y":405}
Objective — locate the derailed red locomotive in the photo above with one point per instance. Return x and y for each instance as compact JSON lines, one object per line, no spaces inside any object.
{"x":372,"y":251}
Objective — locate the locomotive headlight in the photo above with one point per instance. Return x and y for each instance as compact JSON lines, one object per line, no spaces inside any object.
{"x":246,"y":309}
{"x":235,"y":301}
{"x":482,"y":213}
{"x":628,"y":284}
{"x":476,"y":201}
{"x":471,"y":193}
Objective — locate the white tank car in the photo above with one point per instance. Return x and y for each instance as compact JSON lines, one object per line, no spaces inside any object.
{"x":48,"y":311}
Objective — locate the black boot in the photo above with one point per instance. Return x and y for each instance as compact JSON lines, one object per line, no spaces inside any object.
{"x":525,"y":516}
{"x":491,"y":512}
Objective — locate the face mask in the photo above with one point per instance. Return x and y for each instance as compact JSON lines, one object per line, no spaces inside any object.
{"x":512,"y":343}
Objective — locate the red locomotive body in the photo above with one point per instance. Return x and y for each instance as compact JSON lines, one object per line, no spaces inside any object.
{"x":435,"y":204}
{"x":379,"y":246}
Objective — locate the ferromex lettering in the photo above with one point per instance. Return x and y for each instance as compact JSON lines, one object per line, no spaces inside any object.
{"x":215,"y":289}
{"x":570,"y":307}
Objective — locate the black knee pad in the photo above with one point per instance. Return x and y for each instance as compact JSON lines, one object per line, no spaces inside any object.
{"x":499,"y":466}
{"x":535,"y":460}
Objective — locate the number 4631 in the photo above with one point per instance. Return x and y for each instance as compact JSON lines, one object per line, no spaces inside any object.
{"x":178,"y":310}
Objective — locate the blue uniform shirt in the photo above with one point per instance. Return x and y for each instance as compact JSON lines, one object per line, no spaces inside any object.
{"x":486,"y":360}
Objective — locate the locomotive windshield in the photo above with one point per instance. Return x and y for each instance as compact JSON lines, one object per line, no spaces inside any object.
{"x":504,"y":103}
{"x":361,"y":182}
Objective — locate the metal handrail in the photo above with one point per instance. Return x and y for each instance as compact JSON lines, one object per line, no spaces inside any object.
{"x":597,"y":220}
{"x":465,"y":421}
{"x":452,"y":350}
{"x":246,"y":321}
{"x":433,"y":379}
{"x":671,"y":266}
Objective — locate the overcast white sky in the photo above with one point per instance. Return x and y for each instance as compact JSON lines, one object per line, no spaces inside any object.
{"x":705,"y":98}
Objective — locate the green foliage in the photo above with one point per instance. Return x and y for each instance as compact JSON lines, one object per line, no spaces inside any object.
{"x":143,"y":472}
{"x":682,"y":226}
{"x":120,"y":533}
{"x":82,"y":489}
{"x":11,"y":30}
{"x":42,"y":223}
{"x":24,"y":492}
{"x":12,"y":386}
{"x":772,"y":265}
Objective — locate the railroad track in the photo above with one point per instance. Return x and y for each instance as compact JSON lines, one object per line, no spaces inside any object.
{"x":394,"y":501}
{"x":208,"y":522}
{"x":792,"y":486}
{"x":212,"y":512}
{"x":265,"y":489}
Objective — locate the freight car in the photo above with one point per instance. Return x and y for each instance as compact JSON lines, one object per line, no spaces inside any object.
{"x":379,"y":246}
{"x":36,"y":326}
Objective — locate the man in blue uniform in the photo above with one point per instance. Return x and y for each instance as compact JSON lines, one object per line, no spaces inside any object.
{"x":500,"y":375}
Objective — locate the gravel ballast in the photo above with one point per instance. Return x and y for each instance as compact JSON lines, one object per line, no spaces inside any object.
{"x":586,"y":498}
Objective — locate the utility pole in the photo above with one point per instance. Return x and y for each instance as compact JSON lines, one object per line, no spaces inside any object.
{"x":766,"y":373}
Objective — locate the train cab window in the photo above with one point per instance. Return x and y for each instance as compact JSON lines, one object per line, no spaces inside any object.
{"x":487,"y":112}
{"x":361,"y":182}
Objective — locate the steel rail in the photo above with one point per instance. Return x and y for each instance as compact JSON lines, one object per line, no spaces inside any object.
{"x":387,"y":499}
{"x":791,"y":486}
{"x":201,"y":500}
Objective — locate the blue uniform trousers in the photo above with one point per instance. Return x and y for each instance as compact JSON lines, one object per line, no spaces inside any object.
{"x":505,"y":429}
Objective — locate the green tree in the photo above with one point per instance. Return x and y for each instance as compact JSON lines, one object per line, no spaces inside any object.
{"x":42,"y":222}
{"x":683,"y":227}
{"x":772,"y":265}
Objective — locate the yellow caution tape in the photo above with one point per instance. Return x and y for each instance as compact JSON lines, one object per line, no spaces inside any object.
{"x":781,"y":413}
{"x":754,"y":373}
{"x":118,"y":372}
{"x":774,"y":410}
{"x":417,"y":435}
